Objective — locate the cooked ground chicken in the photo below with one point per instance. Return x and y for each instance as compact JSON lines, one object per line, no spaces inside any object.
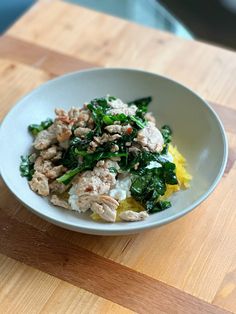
{"x":98,"y":181}
{"x":105,"y":206}
{"x":55,"y":172}
{"x":63,"y":131}
{"x":55,"y":200}
{"x":48,"y":169}
{"x":118,"y":107}
{"x":81,"y":132}
{"x":49,"y":153}
{"x":58,"y":187}
{"x":91,"y":184}
{"x":130,"y":215}
{"x":39,"y":184}
{"x":42,"y":165}
{"x":150,"y":138}
{"x":114,"y":128}
{"x":149,"y":117}
{"x":45,"y":138}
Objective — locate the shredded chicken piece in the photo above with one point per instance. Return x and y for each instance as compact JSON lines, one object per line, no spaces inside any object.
{"x":150,"y":138}
{"x":105,"y":206}
{"x":90,"y":184}
{"x":39,"y":184}
{"x":45,"y":138}
{"x":55,"y":200}
{"x":130,"y":215}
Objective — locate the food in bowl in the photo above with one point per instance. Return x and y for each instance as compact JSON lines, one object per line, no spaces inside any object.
{"x":107,"y":157}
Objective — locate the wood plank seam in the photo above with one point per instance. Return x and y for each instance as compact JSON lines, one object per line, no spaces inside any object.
{"x":55,"y":63}
{"x":94,"y":273}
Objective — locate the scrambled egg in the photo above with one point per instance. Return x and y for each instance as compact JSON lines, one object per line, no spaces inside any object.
{"x":182,"y":174}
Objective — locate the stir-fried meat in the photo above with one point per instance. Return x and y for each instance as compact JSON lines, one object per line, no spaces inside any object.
{"x":63,"y":131}
{"x":130,"y":215}
{"x":49,"y":153}
{"x":149,"y":117}
{"x":81,"y":132}
{"x":117,"y":107}
{"x":97,"y":181}
{"x":42,"y":165}
{"x":39,"y":184}
{"x":114,"y":128}
{"x":55,"y":200}
{"x":47,"y":168}
{"x":105,"y":206}
{"x":55,"y":172}
{"x":99,"y":189}
{"x":45,"y":138}
{"x":90,"y":184}
{"x":150,"y":138}
{"x":59,"y":188}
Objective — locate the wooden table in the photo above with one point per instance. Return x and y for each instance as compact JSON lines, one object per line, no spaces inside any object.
{"x":188,"y":266}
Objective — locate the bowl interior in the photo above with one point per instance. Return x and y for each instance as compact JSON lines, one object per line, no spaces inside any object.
{"x":196,"y":131}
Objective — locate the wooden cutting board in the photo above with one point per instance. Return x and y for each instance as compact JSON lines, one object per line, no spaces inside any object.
{"x":188,"y":266}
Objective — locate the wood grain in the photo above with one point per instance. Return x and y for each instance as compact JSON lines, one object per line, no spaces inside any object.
{"x":55,"y":64}
{"x":94,"y":273}
{"x":195,"y":254}
{"x":36,"y":56}
{"x":127,"y":250}
{"x":27,"y":290}
{"x":108,"y":41}
{"x":226,"y":295}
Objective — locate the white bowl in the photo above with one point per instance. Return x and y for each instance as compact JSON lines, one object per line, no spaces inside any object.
{"x":197,"y":131}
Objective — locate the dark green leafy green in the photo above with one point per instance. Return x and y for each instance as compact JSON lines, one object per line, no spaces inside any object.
{"x":142,"y":104}
{"x":27,"y":167}
{"x":166,"y":133}
{"x":167,"y":136}
{"x":70,"y":158}
{"x":148,"y":187}
{"x":98,"y":108}
{"x":110,"y":119}
{"x":169,"y":173}
{"x":36,"y":128}
{"x":113,"y":170}
{"x":140,"y":123}
{"x":89,"y":161}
